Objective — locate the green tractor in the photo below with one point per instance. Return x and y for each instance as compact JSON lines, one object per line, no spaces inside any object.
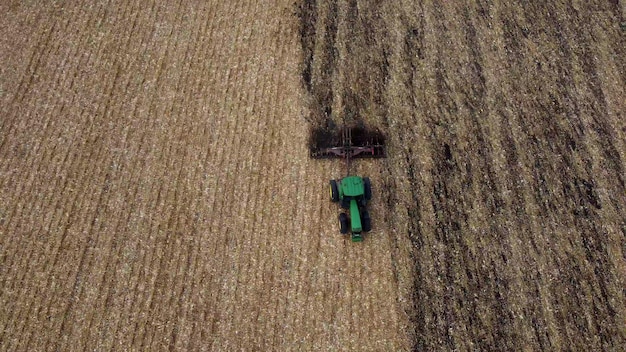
{"x":352,"y":192}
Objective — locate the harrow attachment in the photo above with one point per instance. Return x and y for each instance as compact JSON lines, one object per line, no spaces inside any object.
{"x":349,"y":143}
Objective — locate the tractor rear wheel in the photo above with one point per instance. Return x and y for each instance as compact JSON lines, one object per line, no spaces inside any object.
{"x":343,"y":223}
{"x":366,"y":221}
{"x":367,"y":188}
{"x":334,"y":191}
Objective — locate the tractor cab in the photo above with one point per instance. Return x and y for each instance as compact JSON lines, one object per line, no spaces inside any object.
{"x":353,"y":193}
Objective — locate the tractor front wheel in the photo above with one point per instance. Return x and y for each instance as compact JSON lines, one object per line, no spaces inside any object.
{"x":334,"y":191}
{"x":343,"y":223}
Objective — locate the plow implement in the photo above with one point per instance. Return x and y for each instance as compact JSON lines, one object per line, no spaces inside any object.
{"x":349,"y":143}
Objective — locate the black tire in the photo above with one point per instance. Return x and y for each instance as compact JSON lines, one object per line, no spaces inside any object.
{"x":367,"y":188}
{"x":334,"y":191}
{"x":345,"y":202}
{"x":366,"y":221}
{"x":344,"y":224}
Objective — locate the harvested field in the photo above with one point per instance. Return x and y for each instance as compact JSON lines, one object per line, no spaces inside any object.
{"x":156,"y":190}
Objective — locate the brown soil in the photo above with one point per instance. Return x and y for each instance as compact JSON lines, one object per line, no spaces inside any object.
{"x":156,"y":190}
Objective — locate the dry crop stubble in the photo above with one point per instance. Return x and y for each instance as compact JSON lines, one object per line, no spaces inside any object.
{"x":157,"y":191}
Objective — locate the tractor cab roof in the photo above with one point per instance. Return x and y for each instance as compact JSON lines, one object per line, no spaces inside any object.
{"x":352,"y":186}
